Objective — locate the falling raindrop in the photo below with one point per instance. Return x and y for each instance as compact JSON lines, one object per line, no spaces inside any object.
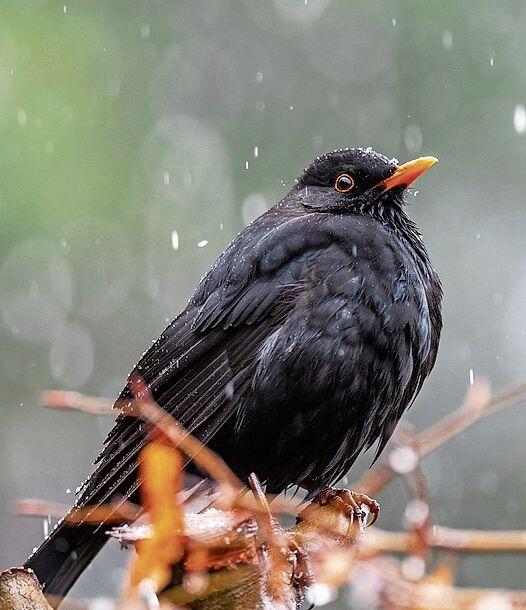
{"x":202,"y":243}
{"x":166,"y":177}
{"x":471,"y":377}
{"x":46,"y":522}
{"x":393,"y":21}
{"x":256,"y":152}
{"x":447,"y":39}
{"x":175,"y":240}
{"x":519,"y":118}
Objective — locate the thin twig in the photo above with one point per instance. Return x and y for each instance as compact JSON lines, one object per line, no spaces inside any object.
{"x":280,"y":573}
{"x":107,"y":513}
{"x":270,"y":523}
{"x":74,"y":401}
{"x":477,"y":406}
{"x":450,"y":539}
{"x":30,"y":507}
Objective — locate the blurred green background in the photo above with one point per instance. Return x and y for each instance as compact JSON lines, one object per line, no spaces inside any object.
{"x":137,"y":138}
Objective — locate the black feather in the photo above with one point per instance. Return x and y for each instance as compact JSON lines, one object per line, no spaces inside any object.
{"x":302,"y":347}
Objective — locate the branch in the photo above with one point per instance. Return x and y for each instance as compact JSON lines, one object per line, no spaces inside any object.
{"x":74,"y":401}
{"x":450,"y":539}
{"x":116,"y":512}
{"x":478,"y":405}
{"x":20,"y":590}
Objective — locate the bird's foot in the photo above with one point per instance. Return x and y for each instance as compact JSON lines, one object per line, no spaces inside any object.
{"x":350,"y":503}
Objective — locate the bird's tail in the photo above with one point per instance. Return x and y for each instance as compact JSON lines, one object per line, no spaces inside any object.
{"x":64,"y":555}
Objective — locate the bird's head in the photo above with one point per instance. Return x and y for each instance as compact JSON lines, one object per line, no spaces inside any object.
{"x":357,"y":179}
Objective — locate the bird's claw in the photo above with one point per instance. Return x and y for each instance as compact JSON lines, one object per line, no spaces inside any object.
{"x":350,"y":504}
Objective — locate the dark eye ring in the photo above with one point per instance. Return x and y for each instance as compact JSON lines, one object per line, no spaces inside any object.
{"x":344,"y":183}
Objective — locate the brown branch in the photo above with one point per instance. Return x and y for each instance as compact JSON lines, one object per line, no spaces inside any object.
{"x":269,"y":522}
{"x":461,"y":597}
{"x":278,"y":582}
{"x":478,"y":405}
{"x":74,"y":401}
{"x":20,"y":590}
{"x":415,"y":596}
{"x":322,"y":537}
{"x":30,"y":507}
{"x":450,"y":539}
{"x":107,"y":513}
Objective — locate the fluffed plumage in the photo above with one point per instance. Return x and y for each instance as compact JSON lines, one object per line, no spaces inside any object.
{"x":301,"y":347}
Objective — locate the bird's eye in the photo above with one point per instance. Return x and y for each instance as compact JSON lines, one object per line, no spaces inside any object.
{"x":344,"y":183}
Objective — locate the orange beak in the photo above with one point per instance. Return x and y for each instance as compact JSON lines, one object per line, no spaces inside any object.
{"x":407,"y":173}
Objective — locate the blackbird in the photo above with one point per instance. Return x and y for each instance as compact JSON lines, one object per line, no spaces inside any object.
{"x":302,"y":346}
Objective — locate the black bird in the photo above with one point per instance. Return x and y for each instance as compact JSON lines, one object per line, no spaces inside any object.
{"x":301,"y":347}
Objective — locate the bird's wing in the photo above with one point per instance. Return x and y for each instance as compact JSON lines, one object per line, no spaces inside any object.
{"x":201,"y":363}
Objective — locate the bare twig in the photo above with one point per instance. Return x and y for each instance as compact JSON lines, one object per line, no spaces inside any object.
{"x":460,"y":597}
{"x":30,"y":507}
{"x":74,"y":401}
{"x":477,"y":406}
{"x":20,"y":590}
{"x":279,"y":575}
{"x":270,"y":523}
{"x":107,"y":513}
{"x":450,"y":539}
{"x":323,"y":537}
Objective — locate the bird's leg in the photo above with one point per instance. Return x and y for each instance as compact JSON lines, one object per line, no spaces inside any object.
{"x":349,"y":503}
